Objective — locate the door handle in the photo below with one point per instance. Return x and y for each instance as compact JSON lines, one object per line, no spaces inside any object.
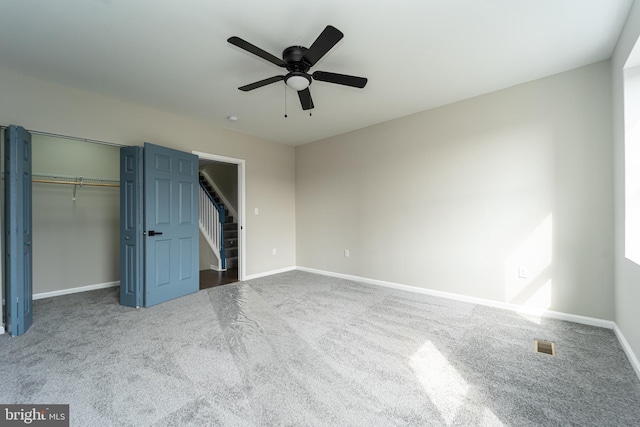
{"x":154,"y":233}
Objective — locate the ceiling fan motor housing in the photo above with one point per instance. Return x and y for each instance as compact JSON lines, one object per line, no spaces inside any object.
{"x":293,"y":57}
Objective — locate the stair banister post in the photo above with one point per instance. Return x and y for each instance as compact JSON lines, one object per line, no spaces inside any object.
{"x":223,"y":257}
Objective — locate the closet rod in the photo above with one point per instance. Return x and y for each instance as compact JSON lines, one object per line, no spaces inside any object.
{"x":82,"y":184}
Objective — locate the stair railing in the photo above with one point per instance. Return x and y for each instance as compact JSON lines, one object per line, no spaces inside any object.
{"x":212,"y":218}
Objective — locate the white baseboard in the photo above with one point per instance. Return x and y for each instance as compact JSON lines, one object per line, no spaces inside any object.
{"x":1,"y":329}
{"x":627,"y":349}
{"x":75,"y":290}
{"x":473,"y":300}
{"x":269,"y":273}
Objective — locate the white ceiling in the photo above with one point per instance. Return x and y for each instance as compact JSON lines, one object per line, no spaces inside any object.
{"x":417,"y":54}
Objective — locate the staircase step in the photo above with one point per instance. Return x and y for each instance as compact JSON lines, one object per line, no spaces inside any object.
{"x":230,"y":230}
{"x":230,"y":243}
{"x":231,"y":252}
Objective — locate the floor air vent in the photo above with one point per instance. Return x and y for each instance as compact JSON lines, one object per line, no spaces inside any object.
{"x":545,"y":347}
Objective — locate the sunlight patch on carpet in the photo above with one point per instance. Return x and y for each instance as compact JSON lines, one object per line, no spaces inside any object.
{"x":442,"y":382}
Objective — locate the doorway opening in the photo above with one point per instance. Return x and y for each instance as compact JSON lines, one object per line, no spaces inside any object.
{"x":224,"y":179}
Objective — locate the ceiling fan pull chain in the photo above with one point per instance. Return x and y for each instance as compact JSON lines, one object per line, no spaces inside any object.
{"x":285,"y":101}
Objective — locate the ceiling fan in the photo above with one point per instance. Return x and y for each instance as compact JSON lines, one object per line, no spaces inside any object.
{"x":298,"y":60}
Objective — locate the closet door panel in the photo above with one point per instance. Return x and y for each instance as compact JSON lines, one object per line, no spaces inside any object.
{"x":18,"y":229}
{"x":131,"y":230}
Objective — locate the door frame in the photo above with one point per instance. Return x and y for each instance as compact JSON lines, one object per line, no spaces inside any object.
{"x":242,"y":265}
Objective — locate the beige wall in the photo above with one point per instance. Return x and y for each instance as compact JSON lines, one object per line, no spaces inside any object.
{"x":458,"y":198}
{"x":206,"y":257}
{"x":270,"y":170}
{"x":627,"y":272}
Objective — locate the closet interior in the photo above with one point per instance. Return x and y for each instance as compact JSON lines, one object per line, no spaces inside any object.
{"x":76,"y":215}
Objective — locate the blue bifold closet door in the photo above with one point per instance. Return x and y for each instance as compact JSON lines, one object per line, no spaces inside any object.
{"x":18,"y":231}
{"x":131,"y":229}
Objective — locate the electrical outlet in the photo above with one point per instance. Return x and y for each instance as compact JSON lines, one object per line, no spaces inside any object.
{"x":522,"y":272}
{"x":274,"y":251}
{"x":346,"y":253}
{"x":256,"y":211}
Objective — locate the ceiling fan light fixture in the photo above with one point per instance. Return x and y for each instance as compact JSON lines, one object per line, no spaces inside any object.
{"x":297,"y":81}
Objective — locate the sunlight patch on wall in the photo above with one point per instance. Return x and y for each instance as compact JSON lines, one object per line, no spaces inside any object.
{"x":534,"y":308}
{"x":528,"y":270}
{"x":541,"y":298}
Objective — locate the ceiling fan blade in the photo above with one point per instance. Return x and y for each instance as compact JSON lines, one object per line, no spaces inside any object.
{"x":341,"y":79}
{"x":305,"y":99}
{"x":323,"y":44}
{"x":243,"y":44}
{"x":261,"y":83}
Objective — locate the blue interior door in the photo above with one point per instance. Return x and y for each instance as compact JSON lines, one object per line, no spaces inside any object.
{"x":18,"y":262}
{"x":131,"y":230}
{"x":170,"y":224}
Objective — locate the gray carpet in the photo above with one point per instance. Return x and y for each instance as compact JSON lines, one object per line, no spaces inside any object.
{"x":304,"y":350}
